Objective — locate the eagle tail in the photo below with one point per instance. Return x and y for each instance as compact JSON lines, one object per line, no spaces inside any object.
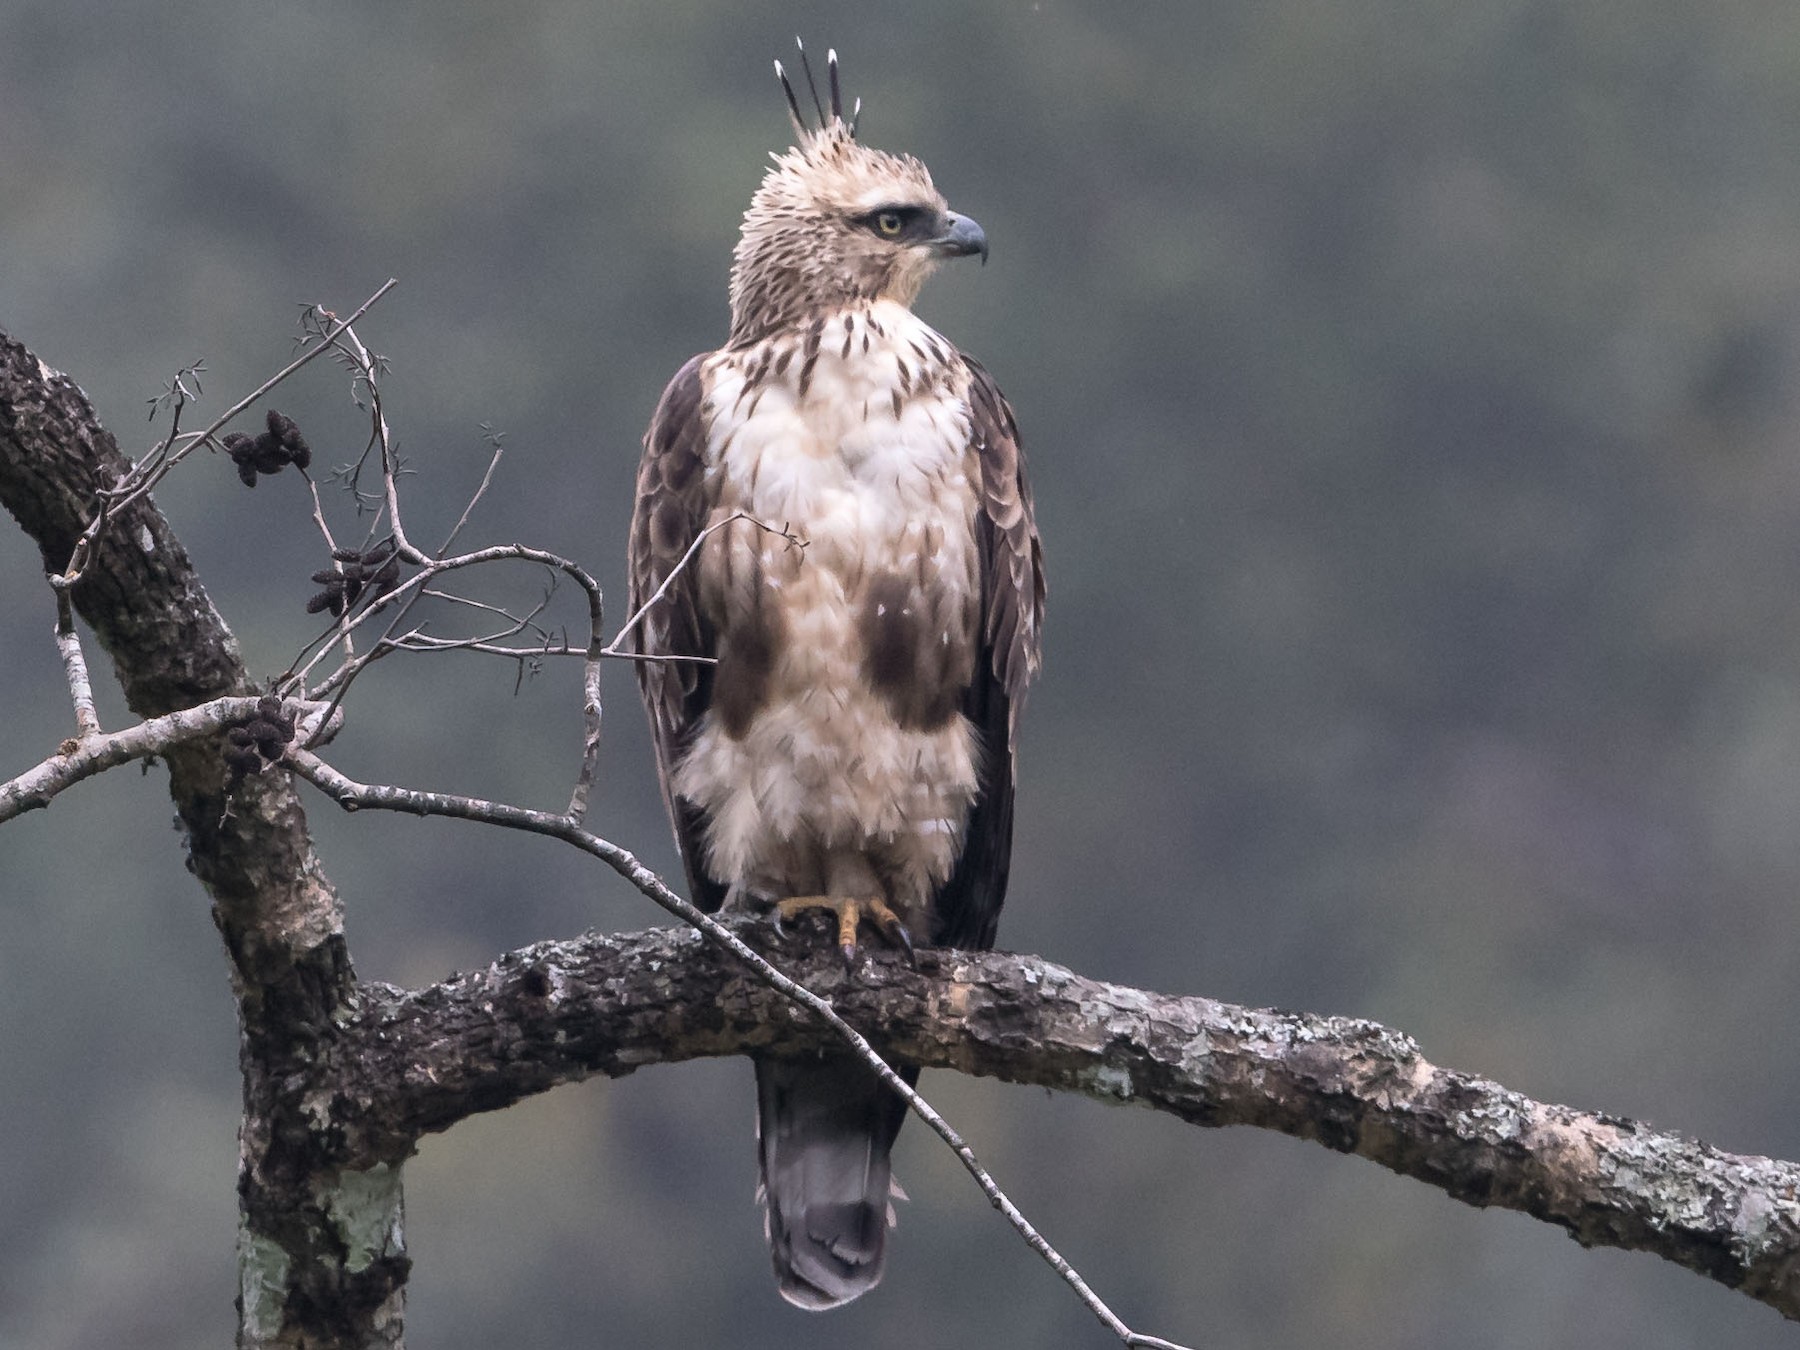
{"x":825,"y":1128}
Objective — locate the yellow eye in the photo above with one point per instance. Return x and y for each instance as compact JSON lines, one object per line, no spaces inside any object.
{"x":889,"y":223}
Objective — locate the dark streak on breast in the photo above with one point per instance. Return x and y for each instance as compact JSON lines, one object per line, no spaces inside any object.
{"x":746,"y":660}
{"x":814,"y":336}
{"x":919,"y":677}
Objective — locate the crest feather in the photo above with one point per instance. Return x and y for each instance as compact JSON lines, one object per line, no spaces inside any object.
{"x":812,"y":85}
{"x":830,"y":113}
{"x":792,"y":102}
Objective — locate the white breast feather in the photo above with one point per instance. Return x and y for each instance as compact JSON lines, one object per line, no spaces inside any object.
{"x":824,"y":764}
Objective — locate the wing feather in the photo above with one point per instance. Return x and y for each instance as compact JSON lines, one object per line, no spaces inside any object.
{"x":674,"y":500}
{"x":967,"y":911}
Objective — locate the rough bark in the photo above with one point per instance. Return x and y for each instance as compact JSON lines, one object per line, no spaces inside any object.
{"x":306,"y":1276}
{"x":418,"y":1061}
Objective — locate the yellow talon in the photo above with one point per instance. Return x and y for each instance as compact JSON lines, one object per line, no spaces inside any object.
{"x":850,"y":911}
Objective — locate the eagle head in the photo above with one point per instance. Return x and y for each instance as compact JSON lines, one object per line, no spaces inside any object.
{"x":836,"y":224}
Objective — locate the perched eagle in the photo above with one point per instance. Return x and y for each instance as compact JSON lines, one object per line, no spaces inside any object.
{"x":849,"y":745}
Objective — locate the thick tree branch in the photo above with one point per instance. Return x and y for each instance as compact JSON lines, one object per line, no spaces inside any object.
{"x":416,"y":1062}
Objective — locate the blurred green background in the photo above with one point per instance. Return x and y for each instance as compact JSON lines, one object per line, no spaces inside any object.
{"x":1411,"y":396}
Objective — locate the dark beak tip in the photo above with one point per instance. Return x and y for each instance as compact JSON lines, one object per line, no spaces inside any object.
{"x":963,"y":238}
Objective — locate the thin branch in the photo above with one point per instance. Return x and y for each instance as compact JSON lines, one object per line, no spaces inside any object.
{"x":294,"y":679}
{"x":368,"y":371}
{"x":494,"y":439}
{"x":419,"y":641}
{"x":354,"y":796}
{"x":404,"y":597}
{"x":135,"y":485}
{"x":336,"y":684}
{"x":661,"y":658}
{"x":367,"y":367}
{"x":693,"y":549}
{"x":515,"y":623}
{"x":340,"y":634}
{"x":80,"y":760}
{"x":591,"y":708}
{"x":68,"y":644}
{"x":416,"y":640}
{"x":176,"y":398}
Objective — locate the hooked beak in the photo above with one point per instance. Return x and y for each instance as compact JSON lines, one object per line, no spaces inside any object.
{"x":962,"y":237}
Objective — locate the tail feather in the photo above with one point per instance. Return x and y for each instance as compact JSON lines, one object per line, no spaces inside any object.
{"x":825,"y":1128}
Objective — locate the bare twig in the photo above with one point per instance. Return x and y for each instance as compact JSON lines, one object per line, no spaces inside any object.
{"x":516,"y":624}
{"x":494,"y":644}
{"x":318,"y":514}
{"x":367,"y":368}
{"x":661,"y":658}
{"x":591,"y":708}
{"x":354,"y":796}
{"x":337,"y":683}
{"x":68,"y":643}
{"x":409,"y":592}
{"x":494,"y":439}
{"x":418,"y":640}
{"x":176,"y":398}
{"x":79,"y":760}
{"x":141,"y":479}
{"x":693,"y":549}
{"x":340,"y":635}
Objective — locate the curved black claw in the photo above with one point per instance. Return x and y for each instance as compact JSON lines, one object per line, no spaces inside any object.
{"x":895,"y":932}
{"x":850,"y":913}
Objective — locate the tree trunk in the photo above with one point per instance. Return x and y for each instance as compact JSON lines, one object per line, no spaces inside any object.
{"x":321,"y":1254}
